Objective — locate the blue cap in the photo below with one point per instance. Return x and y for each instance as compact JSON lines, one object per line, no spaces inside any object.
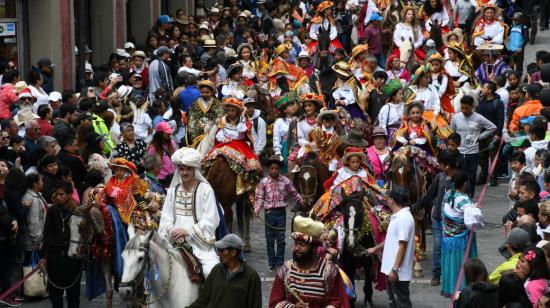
{"x":164,"y":19}
{"x":375,"y":17}
{"x":527,"y":120}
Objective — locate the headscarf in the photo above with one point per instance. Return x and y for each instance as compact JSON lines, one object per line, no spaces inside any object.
{"x":187,"y":157}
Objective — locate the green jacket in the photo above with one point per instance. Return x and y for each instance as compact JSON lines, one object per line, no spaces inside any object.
{"x":102,"y":130}
{"x":242,"y":290}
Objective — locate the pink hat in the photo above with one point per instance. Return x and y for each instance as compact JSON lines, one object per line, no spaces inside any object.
{"x":164,"y":127}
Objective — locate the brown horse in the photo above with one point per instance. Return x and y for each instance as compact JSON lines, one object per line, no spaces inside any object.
{"x":313,"y":173}
{"x":224,"y":182}
{"x":264,"y":103}
{"x":405,"y":173}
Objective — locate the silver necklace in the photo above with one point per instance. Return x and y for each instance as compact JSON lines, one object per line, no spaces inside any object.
{"x":63,"y":219}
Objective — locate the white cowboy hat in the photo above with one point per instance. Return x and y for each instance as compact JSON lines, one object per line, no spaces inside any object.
{"x":24,"y":115}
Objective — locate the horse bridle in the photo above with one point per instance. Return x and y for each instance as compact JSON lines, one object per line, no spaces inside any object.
{"x":88,"y":219}
{"x":138,"y":280}
{"x":314,"y":193}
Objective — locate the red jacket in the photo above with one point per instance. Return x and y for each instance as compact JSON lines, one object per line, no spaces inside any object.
{"x":7,"y":97}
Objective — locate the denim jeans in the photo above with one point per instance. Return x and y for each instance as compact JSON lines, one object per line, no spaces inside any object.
{"x":275,"y":218}
{"x":470,"y":164}
{"x":381,"y":60}
{"x":437,"y":230}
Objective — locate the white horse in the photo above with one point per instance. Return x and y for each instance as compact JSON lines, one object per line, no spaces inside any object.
{"x":466,"y":89}
{"x":150,"y":260}
{"x":406,"y":53}
{"x":84,"y":224}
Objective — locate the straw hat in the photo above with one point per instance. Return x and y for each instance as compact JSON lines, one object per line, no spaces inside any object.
{"x":456,"y":32}
{"x":303,"y":55}
{"x":233,"y":67}
{"x":206,"y":83}
{"x":342,"y":68}
{"x":205,"y":37}
{"x":491,"y":6}
{"x":19,"y":86}
{"x":139,"y":54}
{"x":407,"y":8}
{"x":312,"y":97}
{"x":307,"y":230}
{"x":490,"y":49}
{"x":209,"y":43}
{"x":458,"y":48}
{"x":245,"y":45}
{"x":281,"y":48}
{"x":324,"y":5}
{"x":359,"y":49}
{"x":327,"y":112}
{"x":231,"y":101}
{"x":352,"y":151}
{"x":436,"y":57}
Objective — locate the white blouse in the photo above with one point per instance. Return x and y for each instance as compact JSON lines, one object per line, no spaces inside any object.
{"x":280,"y":133}
{"x":493,"y":33}
{"x":390,"y":114}
{"x":440,"y":86}
{"x":452,"y":69}
{"x":418,"y":140}
{"x":429,"y":96}
{"x":344,"y":93}
{"x":314,"y":30}
{"x":404,"y":32}
{"x":304,"y":128}
{"x":232,"y":132}
{"x":248,"y":69}
{"x":233,"y":89}
{"x":441,"y":17}
{"x":345,"y":173}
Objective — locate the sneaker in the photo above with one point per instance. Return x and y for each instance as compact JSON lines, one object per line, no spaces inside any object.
{"x":10,"y":302}
{"x":272,"y":268}
{"x":435,"y":281}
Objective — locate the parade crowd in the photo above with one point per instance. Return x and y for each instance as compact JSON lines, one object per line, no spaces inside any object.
{"x":368,"y":121}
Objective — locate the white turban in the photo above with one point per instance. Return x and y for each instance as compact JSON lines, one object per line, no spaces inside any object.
{"x":187,"y":157}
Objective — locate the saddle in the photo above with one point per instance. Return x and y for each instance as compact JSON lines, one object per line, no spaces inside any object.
{"x":194,"y":266}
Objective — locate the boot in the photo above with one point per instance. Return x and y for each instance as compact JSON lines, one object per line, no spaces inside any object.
{"x":493,"y":182}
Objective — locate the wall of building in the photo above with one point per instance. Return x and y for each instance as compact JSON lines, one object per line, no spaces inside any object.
{"x":143,"y":15}
{"x":53,"y":38}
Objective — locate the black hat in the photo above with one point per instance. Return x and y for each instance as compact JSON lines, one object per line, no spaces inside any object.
{"x":101,"y":106}
{"x":273,"y":160}
{"x":354,"y":138}
{"x":44,"y":62}
{"x":533,"y":89}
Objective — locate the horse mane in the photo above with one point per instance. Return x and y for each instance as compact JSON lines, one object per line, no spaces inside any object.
{"x":400,"y":159}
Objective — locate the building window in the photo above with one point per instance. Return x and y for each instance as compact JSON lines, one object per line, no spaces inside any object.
{"x":7,"y":8}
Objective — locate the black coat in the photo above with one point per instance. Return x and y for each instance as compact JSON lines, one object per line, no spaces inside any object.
{"x":478,"y":295}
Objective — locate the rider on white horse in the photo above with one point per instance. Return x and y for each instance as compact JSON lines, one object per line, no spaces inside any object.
{"x":190,"y":212}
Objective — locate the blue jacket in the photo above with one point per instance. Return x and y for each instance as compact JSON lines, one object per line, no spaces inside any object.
{"x":188,"y":97}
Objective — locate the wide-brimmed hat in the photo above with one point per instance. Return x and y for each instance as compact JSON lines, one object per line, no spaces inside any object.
{"x":245,"y":45}
{"x":24,"y":115}
{"x":354,"y":138}
{"x":436,"y":57}
{"x":206,"y":83}
{"x":123,"y":91}
{"x":231,"y":101}
{"x":303,"y":55}
{"x":307,"y":230}
{"x":359,"y":49}
{"x":139,"y":54}
{"x":283,"y":101}
{"x":234,"y":67}
{"x":209,"y":44}
{"x":327,"y":112}
{"x":20,"y":86}
{"x":353,"y":151}
{"x":120,"y":162}
{"x":407,"y":8}
{"x":418,"y":104}
{"x":490,"y":49}
{"x":184,"y":20}
{"x":456,"y":32}
{"x":342,"y":68}
{"x":324,"y":5}
{"x":455,"y":46}
{"x":281,"y":48}
{"x":314,"y":98}
{"x":379,"y":131}
{"x":491,"y":6}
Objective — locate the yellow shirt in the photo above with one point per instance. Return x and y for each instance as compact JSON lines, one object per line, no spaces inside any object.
{"x":510,"y":264}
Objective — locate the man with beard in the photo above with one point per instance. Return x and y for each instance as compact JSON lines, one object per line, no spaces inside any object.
{"x":308,"y":280}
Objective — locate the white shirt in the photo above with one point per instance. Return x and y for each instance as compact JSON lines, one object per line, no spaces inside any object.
{"x":430,"y":97}
{"x":313,"y":31}
{"x":202,"y":233}
{"x":504,"y":97}
{"x":345,"y":173}
{"x":441,"y":17}
{"x":404,"y":32}
{"x":303,"y":128}
{"x":232,"y":132}
{"x":390,"y":114}
{"x":493,"y":33}
{"x":452,"y":69}
{"x":258,"y":136}
{"x":189,"y":70}
{"x":344,"y":93}
{"x":532,"y":150}
{"x":401,"y":228}
{"x":233,"y":89}
{"x":248,"y":71}
{"x":142,"y":125}
{"x":440,"y":86}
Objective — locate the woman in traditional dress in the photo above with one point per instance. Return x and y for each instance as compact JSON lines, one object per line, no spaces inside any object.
{"x":346,"y":95}
{"x":304,"y":62}
{"x":378,"y":155}
{"x":395,"y":71}
{"x":205,"y":109}
{"x":287,"y":108}
{"x":321,"y":22}
{"x":488,"y":29}
{"x":454,"y":36}
{"x":283,"y":76}
{"x":358,"y":63}
{"x":458,"y":66}
{"x":300,"y":128}
{"x":416,"y":133}
{"x":250,"y":65}
{"x":234,"y":86}
{"x":391,"y":114}
{"x":233,"y":140}
{"x":443,"y":82}
{"x":460,"y":214}
{"x":409,"y":30}
{"x":433,"y":12}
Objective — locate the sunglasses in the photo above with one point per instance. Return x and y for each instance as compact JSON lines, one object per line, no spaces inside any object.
{"x":5,"y":137}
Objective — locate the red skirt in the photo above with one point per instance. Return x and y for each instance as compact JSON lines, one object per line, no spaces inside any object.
{"x":419,"y":53}
{"x":334,"y":44}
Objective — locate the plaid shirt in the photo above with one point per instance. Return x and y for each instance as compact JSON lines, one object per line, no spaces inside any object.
{"x":274,"y":193}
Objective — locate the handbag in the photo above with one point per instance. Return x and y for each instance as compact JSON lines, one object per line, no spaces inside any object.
{"x":36,"y":285}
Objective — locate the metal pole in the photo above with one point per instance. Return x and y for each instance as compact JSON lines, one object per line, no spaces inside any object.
{"x":82,"y":26}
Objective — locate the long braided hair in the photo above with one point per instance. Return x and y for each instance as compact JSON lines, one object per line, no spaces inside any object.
{"x":460,"y":179}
